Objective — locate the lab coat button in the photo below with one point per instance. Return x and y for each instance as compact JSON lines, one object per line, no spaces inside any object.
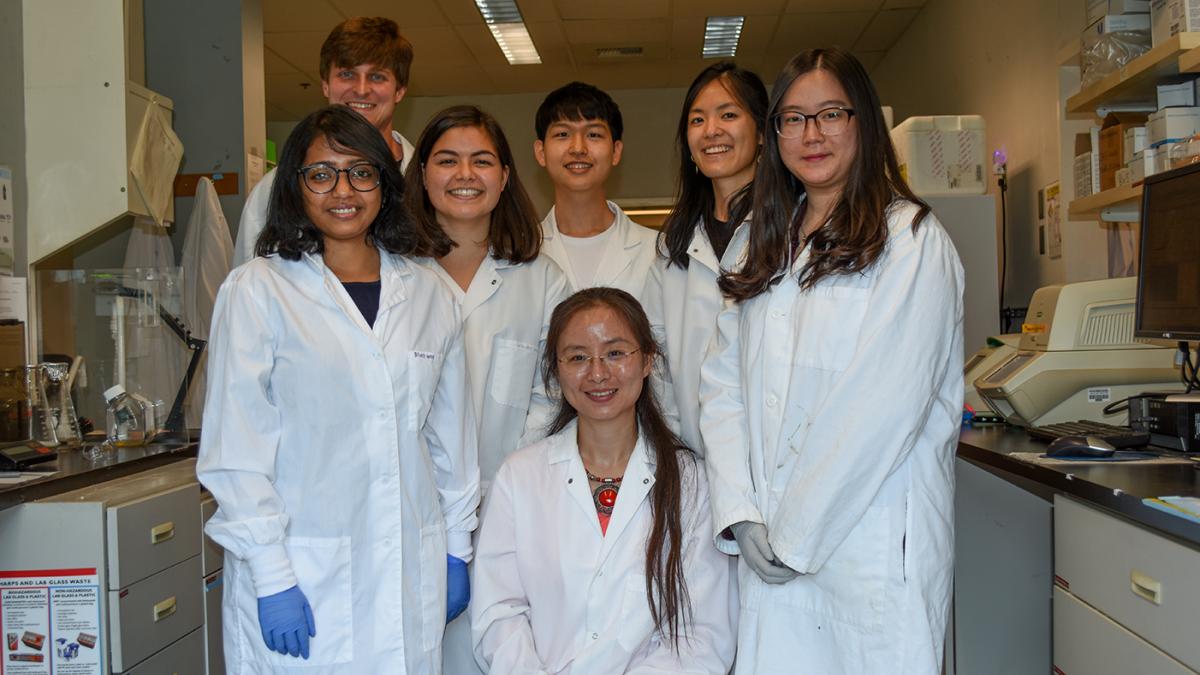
{"x":771,"y":401}
{"x":595,"y":636}
{"x":777,"y":314}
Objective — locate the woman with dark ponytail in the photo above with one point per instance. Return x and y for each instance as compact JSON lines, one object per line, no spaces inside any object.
{"x":593,"y":555}
{"x":832,"y":394}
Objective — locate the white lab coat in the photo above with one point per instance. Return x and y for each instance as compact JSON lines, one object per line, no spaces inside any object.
{"x":831,"y":416}
{"x":342,"y":458}
{"x":627,"y":259}
{"x":682,"y":305}
{"x":506,"y":312}
{"x":553,"y":595}
{"x":254,"y":211}
{"x":206,"y":258}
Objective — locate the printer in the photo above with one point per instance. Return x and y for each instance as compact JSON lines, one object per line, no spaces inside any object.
{"x":1076,"y":356}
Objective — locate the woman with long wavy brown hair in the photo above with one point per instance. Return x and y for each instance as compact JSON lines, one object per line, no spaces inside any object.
{"x":832,"y":393}
{"x":593,"y":556}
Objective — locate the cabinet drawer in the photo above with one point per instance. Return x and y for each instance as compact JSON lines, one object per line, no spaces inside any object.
{"x":185,"y":657}
{"x":1143,"y":581}
{"x":214,"y":555}
{"x":1088,"y":643}
{"x":148,"y":535}
{"x":214,"y":587}
{"x":155,"y":612}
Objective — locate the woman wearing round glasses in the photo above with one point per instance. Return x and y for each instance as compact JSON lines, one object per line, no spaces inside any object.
{"x":832,"y":394}
{"x":478,"y":231}
{"x":594,"y":556}
{"x":720,"y":134}
{"x":338,"y":438}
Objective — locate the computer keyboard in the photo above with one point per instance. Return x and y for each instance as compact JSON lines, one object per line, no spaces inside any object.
{"x":1118,"y":437}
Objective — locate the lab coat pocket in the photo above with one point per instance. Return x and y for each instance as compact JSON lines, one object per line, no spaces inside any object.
{"x":852,"y":584}
{"x":513,"y":367}
{"x":433,"y":586}
{"x":424,"y":370}
{"x":827,"y":324}
{"x":322,"y":567}
{"x":635,"y":626}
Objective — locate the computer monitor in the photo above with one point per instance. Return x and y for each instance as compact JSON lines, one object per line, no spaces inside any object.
{"x":1168,"y":290}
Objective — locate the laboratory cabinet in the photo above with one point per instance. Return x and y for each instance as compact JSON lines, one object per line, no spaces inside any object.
{"x":138,"y":542}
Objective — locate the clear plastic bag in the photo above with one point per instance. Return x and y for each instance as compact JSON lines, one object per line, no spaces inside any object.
{"x":1105,"y":54}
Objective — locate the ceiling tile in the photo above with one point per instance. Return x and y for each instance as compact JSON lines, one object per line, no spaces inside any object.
{"x":440,"y":46}
{"x":805,"y":31}
{"x":606,"y":31}
{"x":870,"y":59}
{"x":286,"y":92}
{"x":535,"y":78}
{"x":446,"y":80}
{"x":624,"y":10}
{"x":885,"y":29}
{"x":273,"y":64}
{"x":483,"y":46}
{"x":687,"y":37}
{"x":706,"y":8}
{"x":464,"y":11}
{"x":299,"y":15}
{"x":807,"y":6}
{"x":586,"y":54}
{"x":897,"y":4}
{"x":408,"y":14}
{"x":756,"y":35}
{"x":302,"y":50}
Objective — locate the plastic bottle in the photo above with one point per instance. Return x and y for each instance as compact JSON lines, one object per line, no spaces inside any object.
{"x":125,"y":418}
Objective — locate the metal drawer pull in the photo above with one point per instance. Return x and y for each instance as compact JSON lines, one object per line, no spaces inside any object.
{"x":164,"y":609}
{"x":1145,"y":587}
{"x":163,"y":532}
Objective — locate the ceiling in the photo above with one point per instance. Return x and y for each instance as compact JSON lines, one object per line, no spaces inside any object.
{"x":455,"y":53}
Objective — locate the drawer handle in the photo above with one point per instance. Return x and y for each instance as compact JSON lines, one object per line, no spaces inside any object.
{"x":164,"y":609}
{"x":163,"y":532}
{"x":1145,"y":587}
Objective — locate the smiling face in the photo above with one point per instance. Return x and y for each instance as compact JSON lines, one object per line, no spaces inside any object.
{"x":343,"y":214}
{"x":368,"y":90}
{"x":601,"y":391}
{"x":721,"y":135}
{"x":463,"y":176}
{"x":821,"y":162}
{"x":578,"y":154}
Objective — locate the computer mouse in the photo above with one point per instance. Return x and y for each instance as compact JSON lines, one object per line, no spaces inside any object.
{"x":1079,"y":447}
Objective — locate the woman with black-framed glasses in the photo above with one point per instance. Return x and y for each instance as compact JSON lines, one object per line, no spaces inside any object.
{"x":832,"y":394}
{"x":338,"y":439}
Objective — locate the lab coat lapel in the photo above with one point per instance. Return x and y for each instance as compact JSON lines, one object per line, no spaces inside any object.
{"x":701,"y":251}
{"x":566,"y":451}
{"x":553,"y":247}
{"x":485,"y":284}
{"x":393,"y":272}
{"x":620,"y":251}
{"x":635,"y":486}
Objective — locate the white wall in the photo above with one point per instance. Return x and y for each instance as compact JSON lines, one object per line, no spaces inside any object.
{"x":647,"y":169}
{"x":998,"y":60}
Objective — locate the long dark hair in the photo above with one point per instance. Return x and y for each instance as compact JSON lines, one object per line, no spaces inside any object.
{"x":288,"y":230}
{"x":695,"y":201}
{"x":666,"y":587}
{"x":515,"y":234}
{"x":855,"y":235}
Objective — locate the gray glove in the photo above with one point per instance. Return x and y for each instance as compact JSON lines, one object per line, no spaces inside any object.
{"x":757,"y":553}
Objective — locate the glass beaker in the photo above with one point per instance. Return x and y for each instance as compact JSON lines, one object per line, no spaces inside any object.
{"x":58,"y":421}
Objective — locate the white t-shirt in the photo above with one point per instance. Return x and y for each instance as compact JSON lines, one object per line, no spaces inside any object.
{"x":585,"y":254}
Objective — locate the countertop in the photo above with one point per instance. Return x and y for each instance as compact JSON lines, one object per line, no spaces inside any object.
{"x":72,"y":470}
{"x":1117,"y":486}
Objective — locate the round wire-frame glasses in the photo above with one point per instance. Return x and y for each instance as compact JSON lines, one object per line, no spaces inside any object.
{"x":322,"y":178}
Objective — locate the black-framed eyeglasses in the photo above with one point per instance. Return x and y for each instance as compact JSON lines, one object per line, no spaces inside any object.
{"x":322,"y":178}
{"x":830,"y":121}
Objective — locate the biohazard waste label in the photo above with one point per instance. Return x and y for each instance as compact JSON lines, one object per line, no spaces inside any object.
{"x":50,"y":621}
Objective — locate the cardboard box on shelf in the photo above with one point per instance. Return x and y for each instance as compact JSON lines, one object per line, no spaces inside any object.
{"x":1135,"y":139}
{"x":1172,"y":123}
{"x":1124,"y":177}
{"x":1142,"y":164}
{"x":1171,"y":17}
{"x":1096,"y":9}
{"x":1112,"y":144}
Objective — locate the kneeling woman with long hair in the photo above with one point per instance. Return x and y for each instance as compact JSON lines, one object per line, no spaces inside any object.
{"x":593,"y":556}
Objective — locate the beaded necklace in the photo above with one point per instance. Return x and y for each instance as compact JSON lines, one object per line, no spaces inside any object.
{"x":605,"y":494}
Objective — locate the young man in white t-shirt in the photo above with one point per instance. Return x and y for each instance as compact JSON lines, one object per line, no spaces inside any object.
{"x":365,"y":63}
{"x":579,"y":142}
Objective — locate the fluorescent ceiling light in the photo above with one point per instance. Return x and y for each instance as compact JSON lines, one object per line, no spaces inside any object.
{"x":504,"y":20}
{"x":721,"y":35}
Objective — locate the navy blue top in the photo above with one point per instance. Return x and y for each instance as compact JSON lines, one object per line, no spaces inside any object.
{"x":365,"y":295}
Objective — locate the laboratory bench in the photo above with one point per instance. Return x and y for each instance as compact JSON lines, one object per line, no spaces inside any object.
{"x":1061,"y":568}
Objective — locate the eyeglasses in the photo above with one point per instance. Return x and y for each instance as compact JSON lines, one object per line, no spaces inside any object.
{"x":579,"y":363}
{"x":322,"y":178}
{"x":830,"y":121}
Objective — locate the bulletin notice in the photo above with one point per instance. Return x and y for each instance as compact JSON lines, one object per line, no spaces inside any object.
{"x":50,"y":621}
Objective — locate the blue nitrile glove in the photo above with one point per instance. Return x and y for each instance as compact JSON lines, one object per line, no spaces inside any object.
{"x":458,"y":587}
{"x":287,"y":622}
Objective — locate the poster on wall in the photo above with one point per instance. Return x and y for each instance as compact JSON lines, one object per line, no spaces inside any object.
{"x":7,"y":249}
{"x":1054,"y":220}
{"x":50,"y":620}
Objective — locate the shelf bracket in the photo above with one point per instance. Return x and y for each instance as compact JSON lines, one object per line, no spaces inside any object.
{"x":1120,"y":214}
{"x":1104,"y":110}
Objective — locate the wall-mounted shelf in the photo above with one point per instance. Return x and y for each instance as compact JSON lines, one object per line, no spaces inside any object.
{"x":1136,"y":82}
{"x":1089,"y":207}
